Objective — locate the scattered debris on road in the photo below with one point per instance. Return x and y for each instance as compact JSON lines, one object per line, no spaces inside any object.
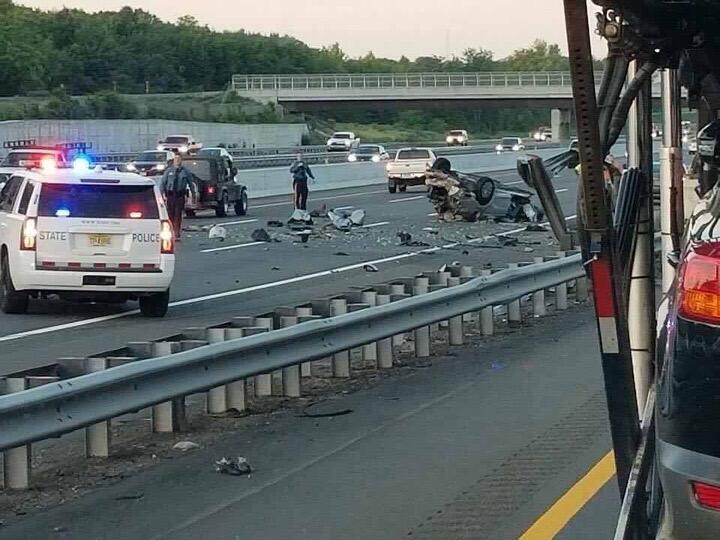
{"x":261,"y":235}
{"x":217,"y":231}
{"x":275,"y":223}
{"x":406,"y":240}
{"x":185,"y":446}
{"x":234,"y":467}
{"x":345,"y":220}
{"x":319,"y":212}
{"x":130,"y":497}
{"x":370,"y":268}
{"x":301,"y":216}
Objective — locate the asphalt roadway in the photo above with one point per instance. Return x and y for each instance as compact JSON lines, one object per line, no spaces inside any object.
{"x":478,"y":443}
{"x":216,"y":281}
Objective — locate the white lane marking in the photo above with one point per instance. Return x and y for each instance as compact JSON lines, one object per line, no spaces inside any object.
{"x":513,"y":183}
{"x":407,"y":199}
{"x":234,"y":246}
{"x":262,"y":286}
{"x":561,"y":190}
{"x":343,"y":207}
{"x":289,"y":203}
{"x":433,"y":214}
{"x":371,"y":225}
{"x":240,"y":222}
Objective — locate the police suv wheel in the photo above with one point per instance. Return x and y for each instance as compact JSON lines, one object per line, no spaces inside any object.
{"x":223,"y":207}
{"x":11,"y":301}
{"x":241,"y":206}
{"x":155,"y":305}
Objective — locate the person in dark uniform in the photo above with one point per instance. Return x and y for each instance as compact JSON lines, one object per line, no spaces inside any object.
{"x":301,"y":173}
{"x":175,"y":183}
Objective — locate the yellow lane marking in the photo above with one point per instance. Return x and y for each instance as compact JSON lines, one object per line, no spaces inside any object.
{"x":566,"y":507}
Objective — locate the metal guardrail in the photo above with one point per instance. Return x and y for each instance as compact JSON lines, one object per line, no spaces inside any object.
{"x":244,"y":83}
{"x":279,"y":157}
{"x":66,"y":405}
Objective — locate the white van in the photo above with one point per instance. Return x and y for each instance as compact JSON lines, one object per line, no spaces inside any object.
{"x":84,"y":235}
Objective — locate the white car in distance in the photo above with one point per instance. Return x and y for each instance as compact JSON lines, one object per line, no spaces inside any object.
{"x":342,"y":141}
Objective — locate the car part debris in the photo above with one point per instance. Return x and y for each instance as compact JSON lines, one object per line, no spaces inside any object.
{"x":406,"y":240}
{"x":303,"y":234}
{"x":457,"y":196}
{"x":260,"y":235}
{"x":217,"y":231}
{"x":234,"y":467}
{"x":370,"y":268}
{"x":275,"y":223}
{"x":357,"y":217}
{"x":534,"y":227}
{"x":185,"y":446}
{"x":431,"y":230}
{"x":319,"y":212}
{"x":130,"y":497}
{"x":341,"y":254}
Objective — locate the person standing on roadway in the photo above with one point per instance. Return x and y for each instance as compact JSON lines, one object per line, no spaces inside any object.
{"x":175,"y":183}
{"x":301,"y":173}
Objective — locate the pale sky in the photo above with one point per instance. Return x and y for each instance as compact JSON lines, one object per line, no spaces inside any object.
{"x":389,"y":28}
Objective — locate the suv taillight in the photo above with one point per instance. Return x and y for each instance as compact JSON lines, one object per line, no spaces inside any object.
{"x":167,"y":242}
{"x":706,"y":495}
{"x":28,"y":236}
{"x":699,"y":285}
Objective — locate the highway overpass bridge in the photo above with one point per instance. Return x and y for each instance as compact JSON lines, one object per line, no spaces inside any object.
{"x":307,"y":93}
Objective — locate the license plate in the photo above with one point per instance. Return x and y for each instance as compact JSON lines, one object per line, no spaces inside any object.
{"x":100,"y":240}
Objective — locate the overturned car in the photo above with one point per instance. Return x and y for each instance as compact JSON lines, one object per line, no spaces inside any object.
{"x":458,"y":196}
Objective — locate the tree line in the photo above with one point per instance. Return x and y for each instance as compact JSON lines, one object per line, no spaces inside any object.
{"x":132,"y":50}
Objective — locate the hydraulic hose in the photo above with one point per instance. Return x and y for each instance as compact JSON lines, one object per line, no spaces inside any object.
{"x":612,"y":96}
{"x":619,"y":117}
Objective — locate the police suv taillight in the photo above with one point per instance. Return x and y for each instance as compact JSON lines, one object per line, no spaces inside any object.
{"x":699,"y":285}
{"x":167,"y":243}
{"x":28,"y":235}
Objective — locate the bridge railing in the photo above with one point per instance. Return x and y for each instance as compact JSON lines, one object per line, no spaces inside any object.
{"x":245,"y":83}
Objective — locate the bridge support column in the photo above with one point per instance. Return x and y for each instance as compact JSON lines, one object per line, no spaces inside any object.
{"x":560,"y":124}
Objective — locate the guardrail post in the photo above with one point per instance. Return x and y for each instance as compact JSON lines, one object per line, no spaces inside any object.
{"x":384,"y":346}
{"x":170,"y":415}
{"x":466,"y":274}
{"x":305,"y":367}
{"x":561,"y":298}
{"x":581,"y":289}
{"x":97,"y":436}
{"x":16,"y":461}
{"x":341,"y":360}
{"x":370,"y":350}
{"x":263,"y":382}
{"x":290,"y":374}
{"x":455,"y":331}
{"x":487,"y":314}
{"x":396,"y":289}
{"x":539,"y":309}
{"x":236,"y":394}
{"x":216,"y":401}
{"x":422,"y":335}
{"x":513,"y":308}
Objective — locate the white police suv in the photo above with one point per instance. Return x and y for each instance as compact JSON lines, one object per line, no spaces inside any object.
{"x":84,"y":234}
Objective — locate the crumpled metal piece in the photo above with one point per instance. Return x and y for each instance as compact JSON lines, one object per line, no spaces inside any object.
{"x":234,"y":467}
